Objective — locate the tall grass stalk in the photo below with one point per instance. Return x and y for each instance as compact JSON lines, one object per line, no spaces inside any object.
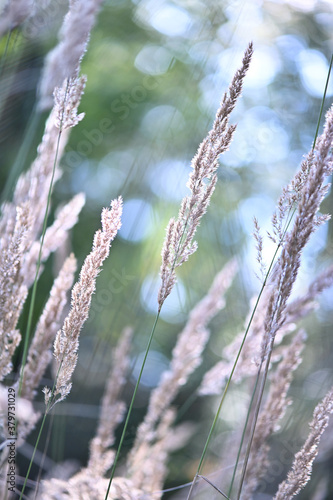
{"x":267,"y":362}
{"x":33,"y":299}
{"x":39,"y":261}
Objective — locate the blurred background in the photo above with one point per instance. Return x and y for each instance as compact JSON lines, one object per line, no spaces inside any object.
{"x":156,"y":73}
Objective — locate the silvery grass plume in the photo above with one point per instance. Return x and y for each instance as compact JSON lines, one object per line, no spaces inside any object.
{"x":13,"y":290}
{"x":84,"y":486}
{"x":64,"y":60}
{"x":67,"y":339}
{"x":178,"y":243}
{"x":22,"y":234}
{"x":55,"y":235}
{"x":300,"y":474}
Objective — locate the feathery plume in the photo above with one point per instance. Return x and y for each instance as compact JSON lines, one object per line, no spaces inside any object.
{"x":113,"y":410}
{"x":310,"y":193}
{"x":300,"y":307}
{"x":33,"y":186}
{"x":259,"y":247}
{"x":300,"y":472}
{"x":85,"y":486}
{"x":12,"y":290}
{"x":149,"y":469}
{"x":64,"y":60}
{"x":55,"y":235}
{"x":39,"y":354}
{"x":215,"y":378}
{"x":296,"y":310}
{"x":66,"y":102}
{"x":290,"y":197}
{"x":67,"y":340}
{"x":178,"y":243}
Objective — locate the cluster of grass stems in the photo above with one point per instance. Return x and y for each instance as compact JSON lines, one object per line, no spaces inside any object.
{"x":293,"y":223}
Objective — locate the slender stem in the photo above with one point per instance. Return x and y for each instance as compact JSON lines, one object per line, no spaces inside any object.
{"x":214,"y":486}
{"x":322,"y":103}
{"x":243,"y":433}
{"x":33,"y":454}
{"x":47,"y":442}
{"x":3,"y":60}
{"x":49,"y":407}
{"x":131,"y":404}
{"x":258,"y":405}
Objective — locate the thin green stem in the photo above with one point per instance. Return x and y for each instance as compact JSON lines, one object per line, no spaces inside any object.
{"x":49,"y":407}
{"x":132,"y":403}
{"x":3,"y":59}
{"x":33,"y":454}
{"x":243,"y":433}
{"x":32,"y":304}
{"x":47,"y":442}
{"x":289,"y":219}
{"x":214,"y":486}
{"x":255,"y":419}
{"x":322,"y":103}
